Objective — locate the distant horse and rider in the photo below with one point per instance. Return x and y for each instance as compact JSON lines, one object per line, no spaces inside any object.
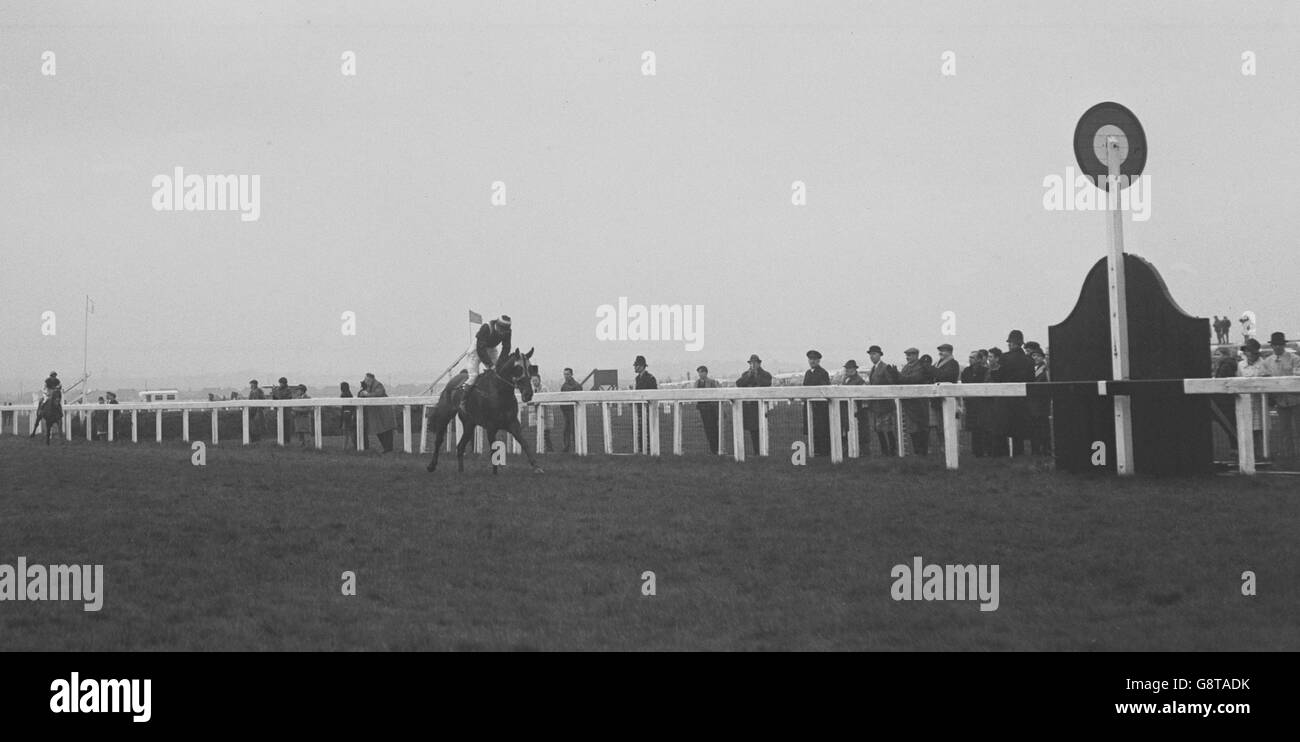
{"x":488,"y":402}
{"x":50,"y":410}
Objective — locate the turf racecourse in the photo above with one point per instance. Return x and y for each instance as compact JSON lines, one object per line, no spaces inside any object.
{"x":247,"y":553}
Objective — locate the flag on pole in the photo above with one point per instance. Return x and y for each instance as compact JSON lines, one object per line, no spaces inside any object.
{"x":475,"y":318}
{"x":90,"y":304}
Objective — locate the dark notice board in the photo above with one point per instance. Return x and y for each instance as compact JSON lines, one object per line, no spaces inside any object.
{"x":1171,"y":431}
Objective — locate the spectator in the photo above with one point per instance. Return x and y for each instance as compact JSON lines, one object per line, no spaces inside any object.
{"x":255,"y":414}
{"x":916,"y":412}
{"x":756,"y":375}
{"x":1225,"y":367}
{"x":883,"y":411}
{"x":1040,"y":409}
{"x":1253,"y":367}
{"x":119,"y":431}
{"x":995,"y":408}
{"x":640,"y":429}
{"x":282,"y":391}
{"x":302,"y":416}
{"x":1247,"y":321}
{"x":544,"y":413}
{"x":821,"y":432}
{"x":378,"y":420}
{"x":976,"y":372}
{"x":347,"y":418}
{"x":570,"y":385}
{"x":946,"y":371}
{"x":709,"y":411}
{"x":853,"y":378}
{"x":99,"y":423}
{"x":1284,"y":363}
{"x":1017,"y":368}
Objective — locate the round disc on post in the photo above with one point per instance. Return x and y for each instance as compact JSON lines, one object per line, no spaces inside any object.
{"x":1094,"y":129}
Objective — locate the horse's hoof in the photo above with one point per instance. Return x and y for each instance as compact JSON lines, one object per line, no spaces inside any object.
{"x":538,"y":470}
{"x":430,"y":468}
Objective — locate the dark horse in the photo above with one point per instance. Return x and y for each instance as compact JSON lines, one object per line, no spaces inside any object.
{"x":490,"y":403}
{"x":50,"y":412}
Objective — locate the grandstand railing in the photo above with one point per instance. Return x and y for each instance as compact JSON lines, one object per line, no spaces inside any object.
{"x":648,"y":434}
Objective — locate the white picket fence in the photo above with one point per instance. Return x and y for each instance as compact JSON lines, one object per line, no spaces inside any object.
{"x":648,"y":425}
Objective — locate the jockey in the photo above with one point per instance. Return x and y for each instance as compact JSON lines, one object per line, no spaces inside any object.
{"x":52,"y":384}
{"x":486,"y":341}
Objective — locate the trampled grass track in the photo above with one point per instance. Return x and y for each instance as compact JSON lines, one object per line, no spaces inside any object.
{"x":247,"y":553}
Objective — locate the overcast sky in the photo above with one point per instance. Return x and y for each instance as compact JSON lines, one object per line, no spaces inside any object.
{"x":924,"y":191}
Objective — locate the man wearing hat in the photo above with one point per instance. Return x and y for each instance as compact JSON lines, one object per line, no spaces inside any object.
{"x":946,"y":370}
{"x":755,"y":376}
{"x":282,"y":391}
{"x":490,"y":343}
{"x":1284,"y":363}
{"x":644,"y":380}
{"x":916,"y":412}
{"x":255,"y":413}
{"x":821,"y":434}
{"x":1253,"y":367}
{"x":1016,"y":368}
{"x":853,"y":378}
{"x":976,"y":372}
{"x":708,"y":410}
{"x":570,"y":385}
{"x":882,"y":411}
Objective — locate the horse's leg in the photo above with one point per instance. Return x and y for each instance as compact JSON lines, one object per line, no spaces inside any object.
{"x":465,"y":437}
{"x":513,"y":427}
{"x":440,"y":437}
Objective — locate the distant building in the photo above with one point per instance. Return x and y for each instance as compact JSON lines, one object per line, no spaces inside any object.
{"x":158,"y":395}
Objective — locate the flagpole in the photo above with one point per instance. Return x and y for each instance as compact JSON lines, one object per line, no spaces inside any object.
{"x":85,"y":345}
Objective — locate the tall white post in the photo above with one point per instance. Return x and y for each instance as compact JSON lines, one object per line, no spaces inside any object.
{"x":185,"y":425}
{"x":837,"y":450}
{"x":951,"y":436}
{"x":244,"y":417}
{"x":677,"y":428}
{"x":406,"y":427}
{"x":1118,"y":311}
{"x":738,"y":428}
{"x":317,"y":416}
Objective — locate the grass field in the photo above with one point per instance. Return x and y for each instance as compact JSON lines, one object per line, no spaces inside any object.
{"x":247,"y":553}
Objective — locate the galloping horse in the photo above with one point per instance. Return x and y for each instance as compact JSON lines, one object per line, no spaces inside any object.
{"x":490,"y":403}
{"x":50,"y":411}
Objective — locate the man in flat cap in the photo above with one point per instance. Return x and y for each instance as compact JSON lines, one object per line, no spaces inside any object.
{"x":860,"y":410}
{"x":946,"y":370}
{"x":976,"y":372}
{"x":756,"y":375}
{"x":882,"y":411}
{"x":708,"y":410}
{"x":916,"y":412}
{"x":821,"y":433}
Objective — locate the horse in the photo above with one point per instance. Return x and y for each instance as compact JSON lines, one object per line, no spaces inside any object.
{"x":50,"y":411}
{"x":489,"y":404}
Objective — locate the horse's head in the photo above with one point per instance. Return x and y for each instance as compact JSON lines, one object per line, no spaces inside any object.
{"x":515,"y":371}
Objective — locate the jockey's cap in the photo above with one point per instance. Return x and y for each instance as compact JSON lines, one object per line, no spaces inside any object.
{"x":505,"y":320}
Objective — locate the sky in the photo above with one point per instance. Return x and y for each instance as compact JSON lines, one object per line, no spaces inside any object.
{"x":924,"y":191}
